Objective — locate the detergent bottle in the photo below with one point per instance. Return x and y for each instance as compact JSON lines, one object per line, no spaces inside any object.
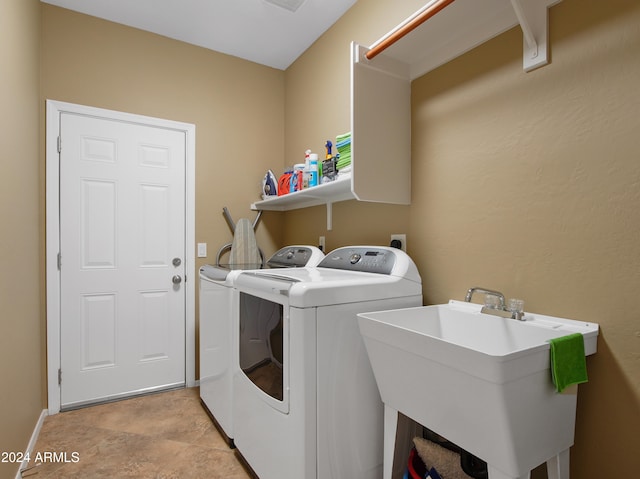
{"x":297,"y":177}
{"x":284,"y":182}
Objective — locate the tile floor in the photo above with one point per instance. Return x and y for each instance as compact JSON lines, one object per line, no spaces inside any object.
{"x":162,"y":436}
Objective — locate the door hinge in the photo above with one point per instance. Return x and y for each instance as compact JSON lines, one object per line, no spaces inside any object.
{"x":59,"y":376}
{"x":59,"y":144}
{"x":59,"y":261}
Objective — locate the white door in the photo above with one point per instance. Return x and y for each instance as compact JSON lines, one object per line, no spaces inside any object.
{"x":122,"y":243}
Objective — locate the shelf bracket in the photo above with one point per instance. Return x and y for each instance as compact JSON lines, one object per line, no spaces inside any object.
{"x":329,"y":216}
{"x":534,"y":21}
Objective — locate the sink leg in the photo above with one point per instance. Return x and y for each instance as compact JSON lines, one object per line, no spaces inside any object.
{"x":390,"y":428}
{"x":496,"y":474}
{"x":558,"y":466}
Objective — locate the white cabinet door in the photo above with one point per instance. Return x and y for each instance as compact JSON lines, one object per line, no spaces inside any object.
{"x":380,"y":129}
{"x":122,"y":236}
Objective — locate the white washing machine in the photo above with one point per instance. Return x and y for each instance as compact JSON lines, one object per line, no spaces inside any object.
{"x":218,"y":337}
{"x":307,"y":405}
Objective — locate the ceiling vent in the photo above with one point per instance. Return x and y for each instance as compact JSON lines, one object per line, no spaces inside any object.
{"x":291,"y":5}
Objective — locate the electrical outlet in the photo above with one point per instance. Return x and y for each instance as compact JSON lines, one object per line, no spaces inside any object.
{"x":403,"y":241}
{"x":321,"y":244}
{"x":202,"y":250}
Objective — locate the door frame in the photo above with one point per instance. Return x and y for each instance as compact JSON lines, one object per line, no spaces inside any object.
{"x":53,"y":281}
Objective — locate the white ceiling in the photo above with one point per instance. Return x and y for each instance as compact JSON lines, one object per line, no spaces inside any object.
{"x":251,"y":29}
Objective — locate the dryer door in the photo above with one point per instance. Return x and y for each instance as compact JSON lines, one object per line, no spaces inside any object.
{"x":264,"y":347}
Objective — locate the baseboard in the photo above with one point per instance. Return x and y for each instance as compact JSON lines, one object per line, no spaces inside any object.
{"x":32,"y":443}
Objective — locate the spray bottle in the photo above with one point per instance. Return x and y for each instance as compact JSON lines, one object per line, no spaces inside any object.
{"x":307,"y":171}
{"x":313,"y":170}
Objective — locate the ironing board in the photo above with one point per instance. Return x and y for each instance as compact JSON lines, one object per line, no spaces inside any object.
{"x":244,"y":248}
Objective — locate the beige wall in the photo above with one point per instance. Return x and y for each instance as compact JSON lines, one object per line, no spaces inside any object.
{"x":237,"y":107}
{"x":523,"y":182}
{"x":20,"y":347}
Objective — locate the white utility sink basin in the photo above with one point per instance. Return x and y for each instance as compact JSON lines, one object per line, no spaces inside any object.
{"x":481,"y":381}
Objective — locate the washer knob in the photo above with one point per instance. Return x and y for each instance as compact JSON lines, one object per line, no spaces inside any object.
{"x":354,"y":258}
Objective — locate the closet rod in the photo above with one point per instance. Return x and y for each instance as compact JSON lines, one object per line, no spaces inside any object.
{"x":407,"y":28}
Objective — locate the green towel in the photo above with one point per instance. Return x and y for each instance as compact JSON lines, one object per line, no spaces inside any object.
{"x":568,"y":362}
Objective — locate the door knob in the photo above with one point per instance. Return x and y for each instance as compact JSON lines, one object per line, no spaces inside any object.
{"x":177,"y":279}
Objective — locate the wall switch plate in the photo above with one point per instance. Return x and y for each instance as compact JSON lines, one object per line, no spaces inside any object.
{"x":321,"y":244}
{"x":202,"y":250}
{"x":403,"y":240}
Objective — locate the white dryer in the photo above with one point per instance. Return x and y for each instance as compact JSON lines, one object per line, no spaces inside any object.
{"x":307,"y":405}
{"x":218,"y":336}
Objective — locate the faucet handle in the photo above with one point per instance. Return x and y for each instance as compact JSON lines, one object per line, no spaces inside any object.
{"x":492,"y":301}
{"x":516,"y":306}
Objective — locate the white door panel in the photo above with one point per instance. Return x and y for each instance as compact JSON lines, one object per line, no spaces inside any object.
{"x":122,"y":222}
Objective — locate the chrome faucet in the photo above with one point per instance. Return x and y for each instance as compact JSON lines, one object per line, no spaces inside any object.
{"x":501,"y":310}
{"x":490,"y":292}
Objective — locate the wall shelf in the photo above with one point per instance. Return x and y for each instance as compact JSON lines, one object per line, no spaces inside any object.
{"x":325,"y":194}
{"x":339,"y":190}
{"x":380,"y":147}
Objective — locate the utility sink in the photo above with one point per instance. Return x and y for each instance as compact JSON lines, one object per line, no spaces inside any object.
{"x":481,"y":381}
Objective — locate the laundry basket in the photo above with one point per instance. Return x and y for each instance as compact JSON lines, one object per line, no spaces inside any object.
{"x":434,"y":453}
{"x":416,"y":468}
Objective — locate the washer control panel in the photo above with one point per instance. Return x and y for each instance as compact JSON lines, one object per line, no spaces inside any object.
{"x":370,"y":259}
